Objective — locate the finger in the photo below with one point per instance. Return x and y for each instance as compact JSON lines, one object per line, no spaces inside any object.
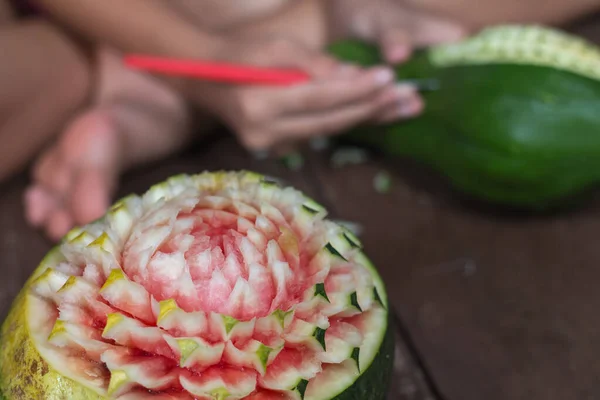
{"x":59,"y":224}
{"x":294,"y":129}
{"x":39,"y":204}
{"x":290,"y":54}
{"x":408,"y":109}
{"x":406,"y":103}
{"x":395,"y":44}
{"x":427,"y":30}
{"x":333,"y":93}
{"x":50,"y":172}
{"x":255,"y":106}
{"x":321,"y":66}
{"x":90,"y":195}
{"x":419,"y":29}
{"x":327,"y":123}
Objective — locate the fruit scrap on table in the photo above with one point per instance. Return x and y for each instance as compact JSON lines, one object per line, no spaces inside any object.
{"x":293,"y":161}
{"x":348,"y":155}
{"x":382,"y":182}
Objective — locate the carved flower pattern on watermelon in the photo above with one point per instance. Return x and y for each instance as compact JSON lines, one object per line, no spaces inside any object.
{"x":214,"y":286}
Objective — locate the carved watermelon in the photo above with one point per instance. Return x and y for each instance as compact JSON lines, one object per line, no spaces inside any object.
{"x":214,"y":286}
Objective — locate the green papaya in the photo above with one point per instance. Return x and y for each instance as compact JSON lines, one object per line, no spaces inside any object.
{"x":515,"y":119}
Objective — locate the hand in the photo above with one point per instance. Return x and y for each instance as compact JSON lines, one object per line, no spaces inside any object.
{"x":393,"y":25}
{"x":338,"y":97}
{"x":396,"y":28}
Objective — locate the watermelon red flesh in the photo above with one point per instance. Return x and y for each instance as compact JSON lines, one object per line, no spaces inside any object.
{"x":208,"y":295}
{"x":209,"y":265}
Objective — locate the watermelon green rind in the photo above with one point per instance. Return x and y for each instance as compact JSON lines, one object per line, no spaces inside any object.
{"x":354,"y":301}
{"x":505,"y":165}
{"x":320,"y":291}
{"x":379,"y":285}
{"x":334,"y":251}
{"x":26,"y":355}
{"x":516,"y":114}
{"x":373,"y":382}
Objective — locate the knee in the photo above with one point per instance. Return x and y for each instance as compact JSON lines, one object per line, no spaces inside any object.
{"x":65,"y":70}
{"x":72,"y":80}
{"x":76,"y":80}
{"x":6,"y":12}
{"x":59,"y":82}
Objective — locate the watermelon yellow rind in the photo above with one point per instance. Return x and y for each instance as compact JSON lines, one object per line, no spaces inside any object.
{"x":32,"y":366}
{"x":24,"y":374}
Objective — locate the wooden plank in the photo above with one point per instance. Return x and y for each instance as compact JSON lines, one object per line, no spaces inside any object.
{"x":499,"y":306}
{"x":409,"y":381}
{"x":21,"y":248}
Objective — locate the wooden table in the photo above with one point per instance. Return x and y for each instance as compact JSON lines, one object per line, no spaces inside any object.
{"x":490,"y":306}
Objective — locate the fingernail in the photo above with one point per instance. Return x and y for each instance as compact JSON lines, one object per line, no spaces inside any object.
{"x":402,"y":93}
{"x":384,"y":76}
{"x":405,"y":90}
{"x":347,"y":70}
{"x":410,"y":109}
{"x":398,"y":54}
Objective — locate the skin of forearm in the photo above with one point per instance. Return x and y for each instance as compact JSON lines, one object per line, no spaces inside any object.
{"x":135,"y":26}
{"x":481,"y":13}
